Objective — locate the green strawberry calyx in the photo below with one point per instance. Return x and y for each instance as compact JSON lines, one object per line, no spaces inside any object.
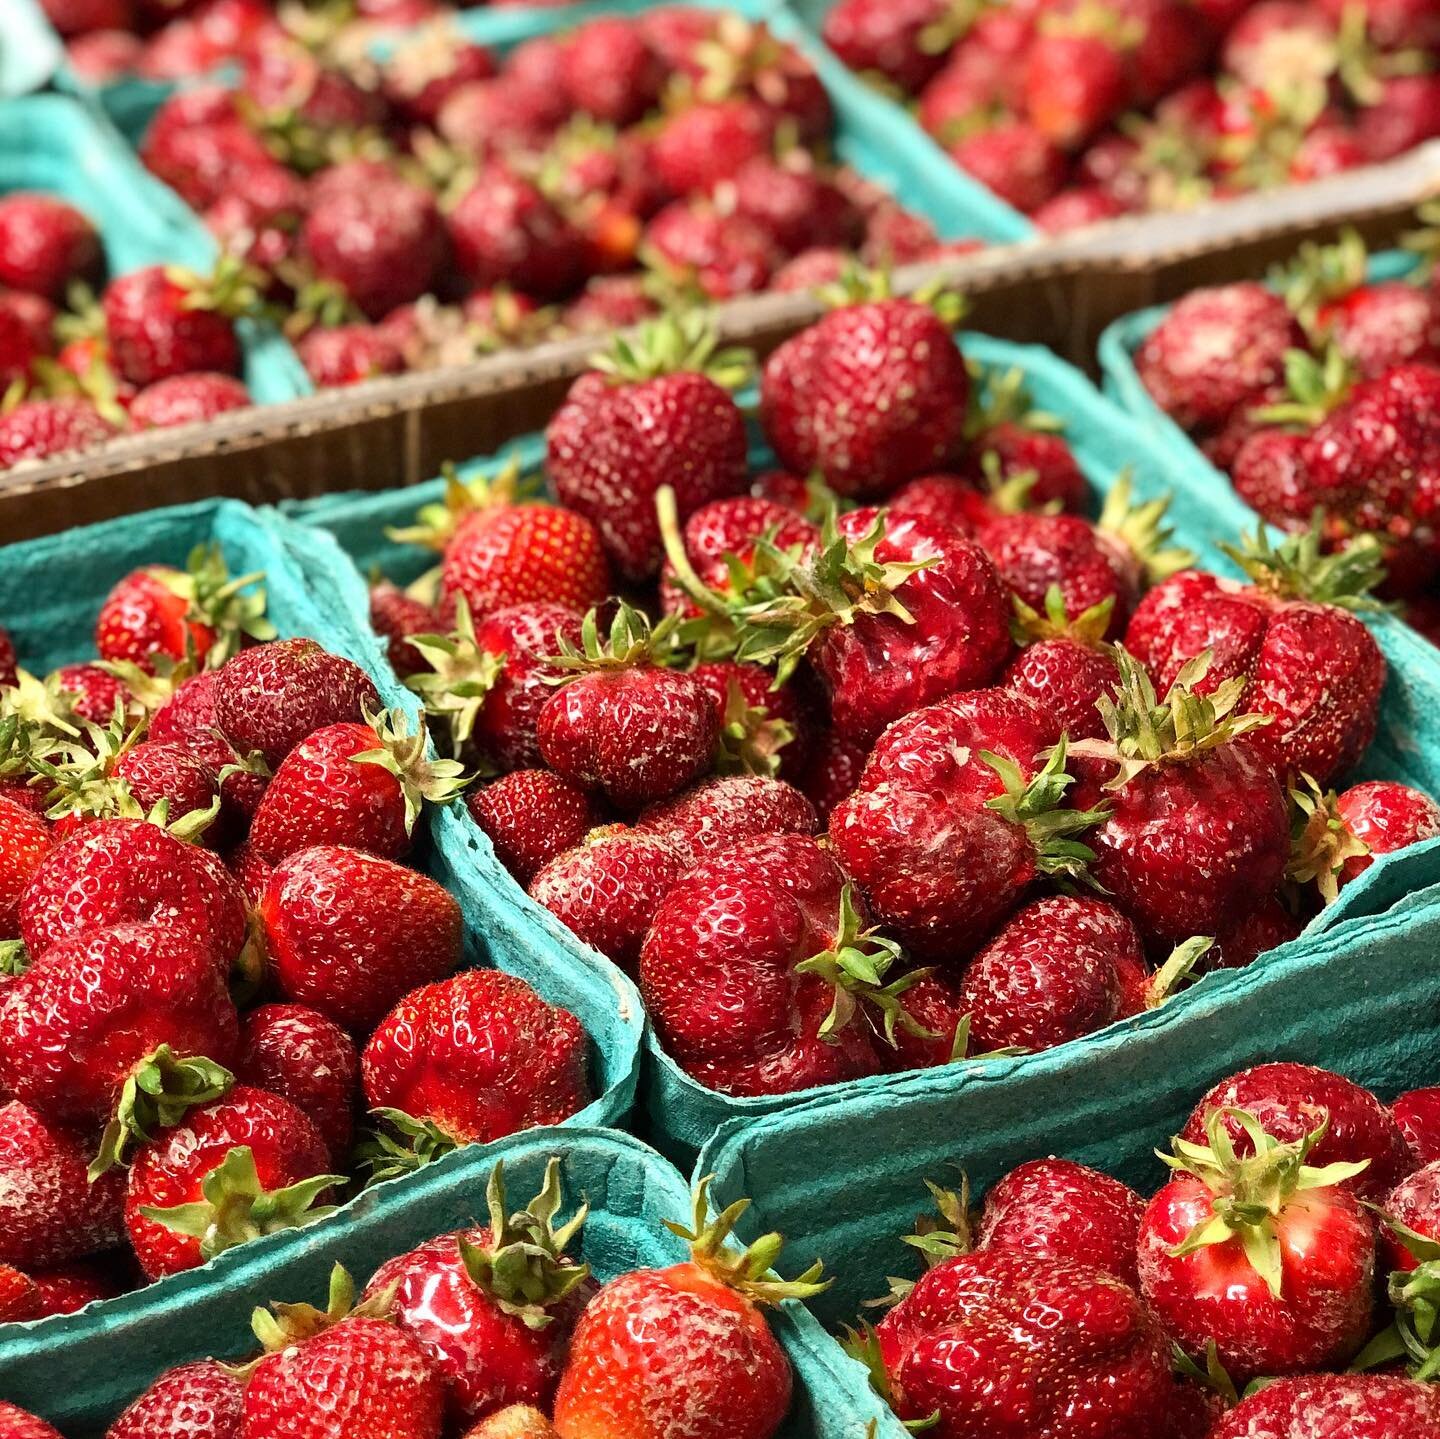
{"x":157,"y":1095}
{"x":631,"y":642}
{"x":1250,"y":1194}
{"x":1002,"y":397}
{"x":36,"y":714}
{"x":522,"y":1266}
{"x":751,"y":738}
{"x":399,"y":1143}
{"x":1178,"y":972}
{"x":283,"y":1325}
{"x":1036,"y":805}
{"x":406,"y":756}
{"x":1088,"y":629}
{"x":1413,"y":1336}
{"x":1320,"y":274}
{"x":1298,"y":569}
{"x":1213,"y":1376}
{"x":1313,"y":388}
{"x":435,"y":524}
{"x":14,"y":958}
{"x":1321,"y":843}
{"x":1142,"y":530}
{"x":674,"y":344}
{"x":460,"y":677}
{"x":236,"y":1208}
{"x":859,"y":286}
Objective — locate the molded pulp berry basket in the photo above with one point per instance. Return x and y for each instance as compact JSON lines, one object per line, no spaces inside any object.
{"x":50,"y":593}
{"x":683,"y":1114}
{"x":55,"y":144}
{"x":843,"y":1176}
{"x":631,"y":1192}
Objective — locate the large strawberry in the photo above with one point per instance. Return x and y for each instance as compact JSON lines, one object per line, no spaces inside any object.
{"x":717,"y":813}
{"x":24,"y":842}
{"x":1359,"y":1406}
{"x":46,"y":244}
{"x":655,"y":412}
{"x":194,"y":1401}
{"x":1065,"y":664}
{"x":39,"y":428}
{"x":685,"y":1350}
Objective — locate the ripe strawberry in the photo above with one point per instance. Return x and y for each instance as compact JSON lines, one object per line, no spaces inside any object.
{"x":161,"y":322}
{"x":1077,"y":209}
{"x":251,"y":872}
{"x":494,"y":1307}
{"x":1056,"y":1209}
{"x":1291,"y":1101}
{"x":717,"y":813}
{"x":1267,"y":1258}
{"x":904,"y":42}
{"x":395,"y":616}
{"x":624,"y":726}
{"x":298,"y":1054}
{"x":610,"y":71}
{"x":1215,"y":350}
{"x":610,"y":302}
{"x":71,"y":1287}
{"x":607,"y":888}
{"x":1414,"y":1203}
{"x":197,"y":141}
{"x":46,"y":244}
{"x":532,"y":816}
{"x":684,"y":1350}
{"x":476,"y":1057}
{"x":375,"y":1378}
{"x":8,"y":661}
{"x":1418,"y":1115}
{"x":25,"y":840}
{"x":428,"y":66}
{"x":18,"y":350}
{"x":965,"y":1341}
{"x":349,"y":355}
{"x":38,"y":429}
{"x":1012,"y":158}
{"x":871,"y":396}
{"x":833,"y":773}
{"x":348,"y":933}
{"x":692,"y":245}
{"x":505,"y":232}
{"x":17,"y":1423}
{"x":1065,"y":666}
{"x":51,"y":1213}
{"x":1076,"y":77}
{"x":19,"y":1300}
{"x":271,"y":697}
{"x":1024,"y":442}
{"x":194,"y":1401}
{"x":703,"y":145}
{"x":1408,"y":114}
{"x":796,"y":205}
{"x":1323,"y":707}
{"x":187,"y":719}
{"x":613,"y":443}
{"x":1360,"y":1406}
{"x":763,"y":729}
{"x":187,"y":400}
{"x":811,"y":271}
{"x":955,"y":817}
{"x":94,"y":692}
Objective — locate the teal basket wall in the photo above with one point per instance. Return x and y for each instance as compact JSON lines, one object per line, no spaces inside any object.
{"x":681,"y":1114}
{"x":56,"y":144}
{"x":50,"y":593}
{"x":630,"y":1189}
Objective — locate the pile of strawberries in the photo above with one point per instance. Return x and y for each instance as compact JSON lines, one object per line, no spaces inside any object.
{"x":158,"y":347}
{"x":445,"y":202}
{"x":500,"y":1331}
{"x":1261,"y":1265}
{"x":1076,"y":111}
{"x":885,"y":718}
{"x":1317,"y":394}
{"x":214,"y":954}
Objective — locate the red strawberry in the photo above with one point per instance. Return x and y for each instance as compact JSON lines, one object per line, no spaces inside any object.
{"x":702,"y":145}
{"x":197,"y":142}
{"x":478,"y":1056}
{"x":1024,"y":442}
{"x":25,"y":840}
{"x":395,"y":616}
{"x":796,"y":205}
{"x":161,"y":322}
{"x":1057,"y":1209}
{"x":46,"y":244}
{"x":1065,"y":667}
{"x":298,"y":1054}
{"x":955,"y":817}
{"x":17,"y":1423}
{"x":505,"y":115}
{"x":1418,"y":1115}
{"x":187,"y":719}
{"x":905,"y":42}
{"x":38,"y":429}
{"x":18,"y":350}
{"x":694,"y":245}
{"x":51,"y":1213}
{"x":613,"y":443}
{"x":269,"y":698}
{"x":531,"y":816}
{"x":624,"y":726}
{"x":187,"y":400}
{"x":140,"y":781}
{"x":684,"y":1350}
{"x":763,"y":729}
{"x":610,"y":71}
{"x":494,"y":1307}
{"x":93,"y":692}
{"x":1076,"y":78}
{"x":71,"y":1287}
{"x":8,"y":663}
{"x":349,"y":355}
{"x":607,"y":888}
{"x":871,"y":396}
{"x":1408,"y":114}
{"x":833,"y":773}
{"x":1415,"y":1204}
{"x":1292,"y":1100}
{"x":717,"y":813}
{"x":1017,"y":162}
{"x":428,"y":66}
{"x":811,"y":270}
{"x":19,"y":1300}
{"x":505,"y":232}
{"x":751,"y":976}
{"x":1077,"y":209}
{"x":104,"y":56}
{"x":375,"y":1377}
{"x":610,"y":302}
{"x":251,"y":872}
{"x":195,"y":1401}
{"x":1359,"y":1406}
{"x":1268,"y":1259}
{"x":348,"y":933}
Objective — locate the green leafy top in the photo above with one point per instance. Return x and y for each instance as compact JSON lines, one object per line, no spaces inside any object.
{"x":859,"y":286}
{"x":1319,"y":274}
{"x":1321,"y":843}
{"x":630,"y":643}
{"x":1313,"y":388}
{"x":1297,"y":568}
{"x":1036,"y":805}
{"x":435,"y":524}
{"x":1142,"y":529}
{"x":675,"y":343}
{"x":233,"y":288}
{"x":1089,"y":628}
{"x":397,"y":1143}
{"x":1002,"y":397}
{"x":161,"y":1090}
{"x":282,"y":1325}
{"x":232,"y":606}
{"x":751,"y":738}
{"x":407,"y":757}
{"x":1178,"y":971}
{"x":1413,"y":1336}
{"x":460,"y":677}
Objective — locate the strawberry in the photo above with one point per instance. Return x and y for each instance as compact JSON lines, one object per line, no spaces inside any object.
{"x":187,"y":400}
{"x":137,"y":783}
{"x":476,"y":1057}
{"x":196,"y":143}
{"x":428,"y":66}
{"x":532,"y":816}
{"x":613,"y":443}
{"x":506,"y":114}
{"x":1024,"y":442}
{"x":1414,"y":1204}
{"x":763,"y":729}
{"x":494,"y":1307}
{"x":1065,"y":666}
{"x":622,"y":725}
{"x":703,"y":145}
{"x":833,"y":772}
{"x":395,"y":616}
{"x":104,"y":56}
{"x":1418,"y":1115}
{"x":759,"y":971}
{"x":965,"y":1341}
{"x":46,"y":244}
{"x":796,"y":206}
{"x":94,"y":692}
{"x":610,"y":302}
{"x":8,"y":663}
{"x":348,"y":933}
{"x":187,"y":719}
{"x":955,"y":817}
{"x":1336,"y":838}
{"x":1323,"y":707}
{"x":194,"y":1401}
{"x":1360,"y":1406}
{"x":1266,"y":1258}
{"x":71,"y":1287}
{"x":717,"y":813}
{"x":15,"y":1422}
{"x":52,"y":1213}
{"x":1407,"y":114}
{"x":684,"y":1350}
{"x":349,"y":355}
{"x":346,"y":1371}
{"x":505,"y":232}
{"x":607,"y":888}
{"x":244,"y":1165}
{"x":871,"y":396}
{"x":1077,"y":209}
{"x":1056,"y":1208}
{"x":905,"y":42}
{"x":18,"y":350}
{"x":1076,"y":76}
{"x":1012,"y":158}
{"x":693,"y":245}
{"x":251,"y":872}
{"x":38,"y":429}
{"x":301,"y":1056}
{"x":19,"y":1300}
{"x":610,"y":71}
{"x":1291,"y":1101}
{"x":271,"y":697}
{"x":811,"y":271}
{"x":25,"y":840}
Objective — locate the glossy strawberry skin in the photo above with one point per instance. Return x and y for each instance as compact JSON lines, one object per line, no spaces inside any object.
{"x":153,"y":334}
{"x":1387,"y":816}
{"x":1066,"y":679}
{"x":17,"y":1423}
{"x":1418,"y":1115}
{"x":1314,"y":1406}
{"x":19,"y":1300}
{"x":480,"y":1054}
{"x":171,"y":773}
{"x":1415,"y":1203}
{"x":532,"y":816}
{"x":194,"y":1401}
{"x":70,"y":1287}
{"x":38,"y":429}
{"x":187,"y":400}
{"x":486,"y":1358}
{"x":170,"y":1169}
{"x":8,"y":662}
{"x":143,"y":617}
{"x":91,"y":1008}
{"x":1046,"y":455}
{"x":833,"y":772}
{"x":717,"y":813}
{"x":395,"y":616}
{"x":673,"y":1351}
{"x":25,"y":840}
{"x":49,"y":1213}
{"x":1382,"y":325}
{"x":348,"y":933}
{"x":45,"y":245}
{"x":718,"y":975}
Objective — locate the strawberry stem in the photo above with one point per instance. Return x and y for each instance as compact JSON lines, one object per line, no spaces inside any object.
{"x":399,"y":1144}
{"x":157,"y":1095}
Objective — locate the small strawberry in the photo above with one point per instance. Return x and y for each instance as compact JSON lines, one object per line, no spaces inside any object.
{"x":19,"y":1300}
{"x":187,"y":400}
{"x":1418,"y":1115}
{"x":1412,"y":1209}
{"x":1077,"y":209}
{"x":505,"y":232}
{"x":251,"y":872}
{"x":1077,"y":77}
{"x":25,"y":840}
{"x":395,"y":616}
{"x":428,"y":66}
{"x":46,"y":244}
{"x":685,"y":1349}
{"x":717,"y":813}
{"x":531,"y":817}
{"x":796,"y":205}
{"x":703,"y":145}
{"x":692,"y":245}
{"x":1023,"y":441}
{"x":906,"y":42}
{"x":610,"y":70}
{"x":833,"y":773}
{"x":194,"y":1401}
{"x":473,"y":1058}
{"x":348,"y":933}
{"x":94,"y":692}
{"x":38,"y":429}
{"x":1065,"y":666}
{"x":763,"y":728}
{"x":1011,"y":157}
{"x":71,"y":1287}
{"x":1360,"y":1406}
{"x":349,"y":355}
